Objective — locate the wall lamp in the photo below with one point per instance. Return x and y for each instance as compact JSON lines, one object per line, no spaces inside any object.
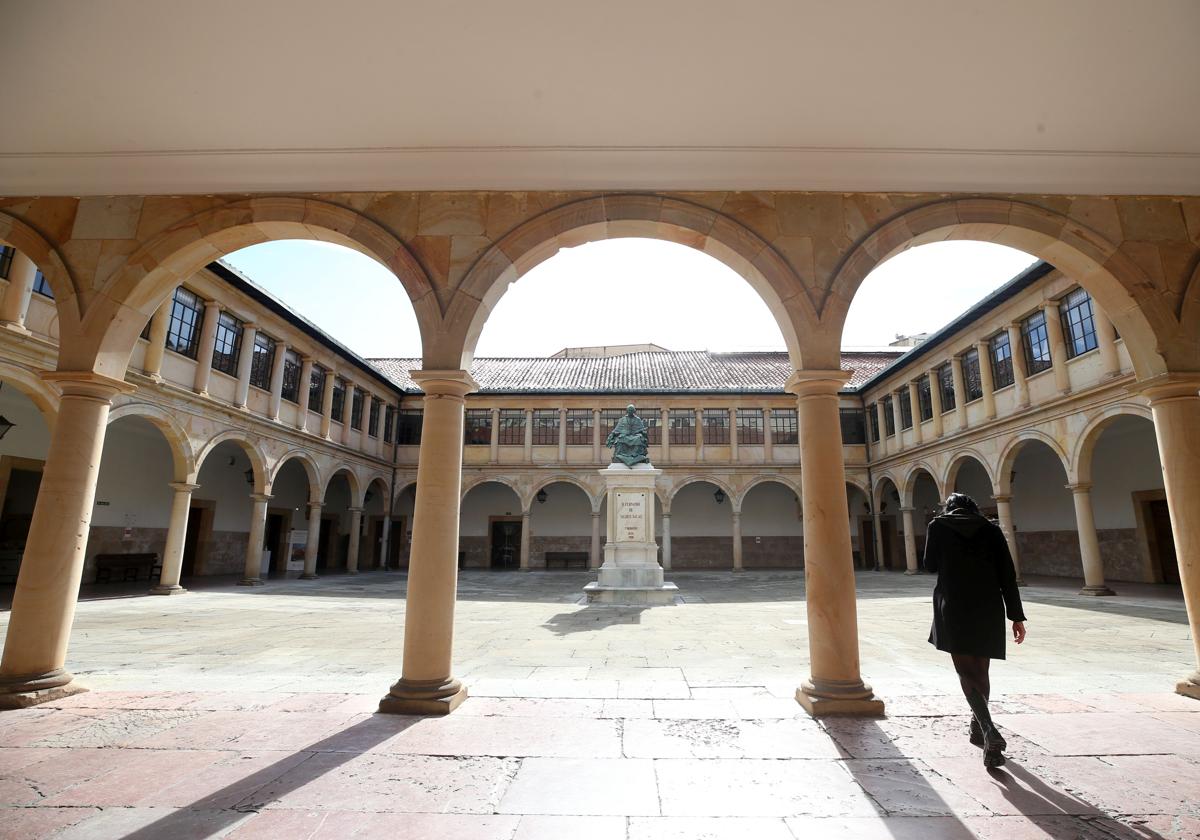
{"x":541,"y":496}
{"x":719,"y":496}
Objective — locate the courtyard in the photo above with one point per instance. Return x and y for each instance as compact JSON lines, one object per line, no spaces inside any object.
{"x":249,"y":712}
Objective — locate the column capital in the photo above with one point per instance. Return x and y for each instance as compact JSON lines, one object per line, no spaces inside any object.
{"x":1051,"y":306}
{"x":87,"y":384}
{"x":1002,"y":498}
{"x":1168,"y":386}
{"x":909,"y":509}
{"x":213,"y":304}
{"x":596,"y":514}
{"x":1080,"y":487}
{"x":354,"y":510}
{"x":444,"y":383}
{"x":817,"y":383}
{"x":183,"y":486}
{"x":307,"y":359}
{"x":315,"y":505}
{"x":262,"y":497}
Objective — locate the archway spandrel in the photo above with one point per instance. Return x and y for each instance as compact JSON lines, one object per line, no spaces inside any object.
{"x":396,"y":212}
{"x":819,"y":215}
{"x":452,"y":214}
{"x":755,"y":210}
{"x":1152,"y":219}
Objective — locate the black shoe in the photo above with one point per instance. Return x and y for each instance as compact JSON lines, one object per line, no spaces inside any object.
{"x":994,"y":746}
{"x":976,"y":733}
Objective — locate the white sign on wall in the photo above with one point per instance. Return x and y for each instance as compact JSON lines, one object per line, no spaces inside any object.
{"x":631,"y":517}
{"x":297,"y":541}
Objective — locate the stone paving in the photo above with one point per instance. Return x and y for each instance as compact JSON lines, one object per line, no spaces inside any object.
{"x":246,"y":713}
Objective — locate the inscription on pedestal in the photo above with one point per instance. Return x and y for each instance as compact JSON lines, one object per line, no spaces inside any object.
{"x":631,"y":517}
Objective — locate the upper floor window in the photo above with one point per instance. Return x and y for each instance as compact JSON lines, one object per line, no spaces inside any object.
{"x":784,"y":428}
{"x":750,"y":426}
{"x":477,"y":428}
{"x":924,"y":398}
{"x":889,"y":415}
{"x":408,"y":427}
{"x":356,"y":409}
{"x":579,"y":427}
{"x":373,"y":420}
{"x":946,"y":384}
{"x":1037,"y":343}
{"x":545,"y":427}
{"x":316,"y":388}
{"x":1002,"y":364}
{"x":183,"y":329}
{"x":262,"y":361}
{"x":228,"y":345}
{"x":873,"y":411}
{"x":716,"y":425}
{"x":339,"y":399}
{"x":683,"y":426}
{"x":41,"y":286}
{"x":906,"y":418}
{"x":854,"y":426}
{"x":7,"y":252}
{"x":512,"y":426}
{"x":972,"y":376}
{"x":653,"y":418}
{"x":292,"y":366}
{"x":1079,"y":323}
{"x":389,"y":423}
{"x":608,"y":419}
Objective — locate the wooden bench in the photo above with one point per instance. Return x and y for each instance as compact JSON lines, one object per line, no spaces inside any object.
{"x":126,"y":565}
{"x":566,"y":559}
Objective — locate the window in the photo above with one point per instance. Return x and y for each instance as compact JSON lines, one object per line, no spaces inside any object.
{"x":1002,"y":364}
{"x":408,"y":427}
{"x":316,"y":388}
{"x":356,"y":409}
{"x":905,"y":410}
{"x":608,"y":419}
{"x":579,"y":427}
{"x":7,"y":252}
{"x":1036,"y":343}
{"x":946,"y":383}
{"x":716,"y":426}
{"x":889,"y":416}
{"x":477,"y":429}
{"x":291,"y":376}
{"x":873,"y":412}
{"x":183,"y":330}
{"x":262,"y":361}
{"x":924,"y":398}
{"x":854,"y":426}
{"x":339,"y":399}
{"x":512,"y":427}
{"x":683,"y":426}
{"x":750,"y":425}
{"x":41,"y":286}
{"x":1079,"y":323}
{"x":972,"y":377}
{"x":228,"y":345}
{"x":389,"y":423}
{"x":373,"y":420}
{"x":545,"y":427}
{"x":653,"y":418}
{"x":784,"y":428}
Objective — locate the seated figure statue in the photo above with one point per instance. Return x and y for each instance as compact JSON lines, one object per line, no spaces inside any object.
{"x":629,"y":439}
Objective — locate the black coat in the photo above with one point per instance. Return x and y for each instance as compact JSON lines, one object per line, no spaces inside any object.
{"x":976,"y":585}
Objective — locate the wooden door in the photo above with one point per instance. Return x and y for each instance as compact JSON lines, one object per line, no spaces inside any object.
{"x":1164,"y":541}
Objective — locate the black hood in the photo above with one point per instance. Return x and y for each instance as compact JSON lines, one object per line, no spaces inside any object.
{"x":963,"y":523}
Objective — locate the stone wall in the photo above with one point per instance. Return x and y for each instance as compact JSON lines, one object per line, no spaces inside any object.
{"x":104,"y":539}
{"x":476,"y":551}
{"x":540,"y":545}
{"x":1056,"y":553}
{"x":771,"y":552}
{"x":223,"y":553}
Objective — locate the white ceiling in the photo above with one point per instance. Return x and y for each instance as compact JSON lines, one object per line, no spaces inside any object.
{"x":144,"y":96}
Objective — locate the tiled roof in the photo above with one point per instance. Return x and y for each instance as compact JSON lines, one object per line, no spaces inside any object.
{"x":698,"y":371}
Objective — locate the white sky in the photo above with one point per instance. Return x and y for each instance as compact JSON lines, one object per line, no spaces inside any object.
{"x":623,"y":291}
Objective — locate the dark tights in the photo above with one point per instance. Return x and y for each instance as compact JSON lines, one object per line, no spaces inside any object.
{"x":973,"y":674}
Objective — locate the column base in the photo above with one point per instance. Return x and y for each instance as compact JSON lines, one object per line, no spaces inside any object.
{"x":1097,"y":591}
{"x":911,"y":572}
{"x":21,"y":692}
{"x":1189,"y":687}
{"x":735,"y":568}
{"x":250,"y":582}
{"x":13,"y":326}
{"x":839,"y":699}
{"x":423,"y":697}
{"x":167,"y":589}
{"x":352,"y":571}
{"x":309,"y":576}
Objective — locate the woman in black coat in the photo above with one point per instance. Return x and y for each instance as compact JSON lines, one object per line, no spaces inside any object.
{"x":976,"y":587}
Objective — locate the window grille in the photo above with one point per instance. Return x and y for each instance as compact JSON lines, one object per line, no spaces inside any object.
{"x":183,"y":330}
{"x":608,"y":419}
{"x":946,"y":383}
{"x":972,"y":377}
{"x":512,"y":427}
{"x":716,"y":426}
{"x":784,"y":426}
{"x":889,"y":416}
{"x":477,"y":428}
{"x":873,"y":412}
{"x":1002,"y":363}
{"x":906,"y":416}
{"x":356,"y":409}
{"x":653,"y":418}
{"x":1037,"y":343}
{"x":924,"y":398}
{"x":262,"y":361}
{"x":7,"y":252}
{"x":750,"y":426}
{"x":316,"y":388}
{"x":389,"y":423}
{"x":291,"y":376}
{"x":373,"y":420}
{"x":339,"y":399}
{"x":1079,"y":323}
{"x":683,"y":426}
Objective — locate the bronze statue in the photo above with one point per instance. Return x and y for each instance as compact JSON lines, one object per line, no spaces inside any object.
{"x":630,"y":439}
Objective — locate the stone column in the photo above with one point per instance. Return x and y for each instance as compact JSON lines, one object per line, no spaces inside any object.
{"x":912,"y":565}
{"x":699,"y":434}
{"x":528,"y":435}
{"x":960,"y":391}
{"x":526,"y":517}
{"x":172,"y":564}
{"x":495,"y":454}
{"x":1058,"y":348}
{"x":881,"y":419}
{"x":327,"y":404}
{"x":313,"y":541}
{"x":252,"y":574}
{"x":562,"y":435}
{"x":306,"y":369}
{"x":935,"y":401}
{"x":348,"y":413}
{"x":43,"y":608}
{"x":1020,"y":378}
{"x":15,"y":305}
{"x":156,"y":347}
{"x":596,"y":435}
{"x":737,"y":541}
{"x":914,"y":408}
{"x":1176,"y":407}
{"x":768,"y":441}
{"x":666,"y":541}
{"x":281,"y":351}
{"x":665,"y":435}
{"x":427,"y":686}
{"x":1089,"y":546}
{"x":836,"y":685}
{"x":1004,"y":514}
{"x":733,"y":433}
{"x":878,"y":523}
{"x":1106,"y":338}
{"x":208,"y":342}
{"x":896,"y":415}
{"x":985,"y":377}
{"x":355,"y":535}
{"x":242,"y":393}
{"x":594,"y":549}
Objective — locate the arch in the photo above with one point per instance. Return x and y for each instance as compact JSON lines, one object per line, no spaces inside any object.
{"x":734,"y":500}
{"x":909,"y":486}
{"x":1121,"y":288}
{"x":129,"y":299}
{"x":372,"y":480}
{"x":1009,"y":455}
{"x":28,"y":241}
{"x":770,"y":479}
{"x":1080,"y":469}
{"x":564,"y":478}
{"x":956,"y":463}
{"x":402,"y":486}
{"x":39,"y":392}
{"x":257,"y":461}
{"x":356,"y":490}
{"x":311,"y":470}
{"x":860,"y":485}
{"x":877,"y":492}
{"x":182,"y":455}
{"x":616,"y":216}
{"x":495,"y":479}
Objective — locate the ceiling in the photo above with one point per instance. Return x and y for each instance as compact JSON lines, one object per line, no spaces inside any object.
{"x":165,"y":96}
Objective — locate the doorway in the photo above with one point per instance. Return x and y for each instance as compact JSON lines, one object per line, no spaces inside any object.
{"x":276,"y":540}
{"x":1162,"y":541}
{"x":504,"y":542}
{"x":199,"y":520}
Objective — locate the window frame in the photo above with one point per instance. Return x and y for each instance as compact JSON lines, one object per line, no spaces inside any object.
{"x":972,"y":376}
{"x":889,"y":414}
{"x":581,"y":428}
{"x":257,"y":367}
{"x":316,"y":388}
{"x":357,"y":403}
{"x":924,"y":398}
{"x":1078,"y":318}
{"x":785,"y":427}
{"x":7,"y":254}
{"x":512,"y":427}
{"x":1004,"y":373}
{"x":852,"y":424}
{"x":715,"y":426}
{"x":946,"y":387}
{"x":373,"y":419}
{"x":1035,"y":338}
{"x":289,"y":389}
{"x":409,"y":433}
{"x":338,"y":406}
{"x":754,"y":432}
{"x":545,"y":426}
{"x":682,"y":423}
{"x":178,"y":319}
{"x":471,"y":426}
{"x":906,"y":412}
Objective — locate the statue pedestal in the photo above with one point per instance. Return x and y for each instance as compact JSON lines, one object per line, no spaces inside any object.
{"x":631,"y":575}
